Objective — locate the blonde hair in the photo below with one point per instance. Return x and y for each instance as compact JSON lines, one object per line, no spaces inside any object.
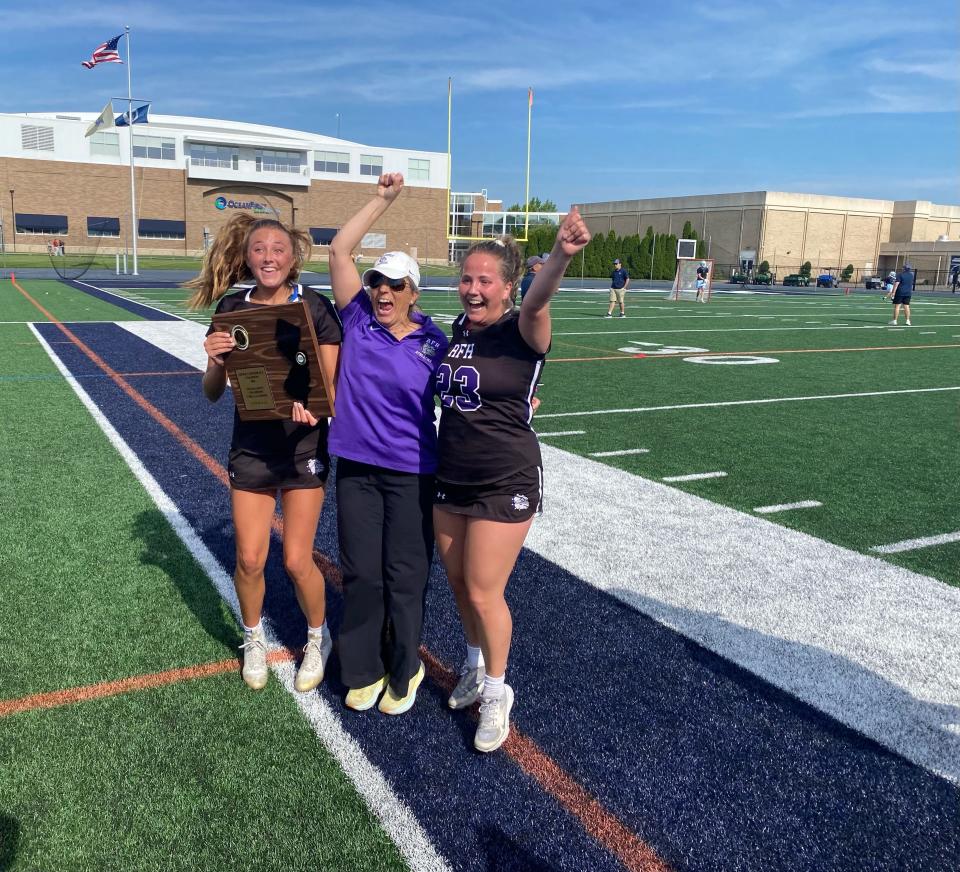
{"x":504,"y":248}
{"x":225,"y":262}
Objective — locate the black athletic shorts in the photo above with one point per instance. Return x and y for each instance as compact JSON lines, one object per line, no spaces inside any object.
{"x":903,"y":299}
{"x":517,"y":497}
{"x":253,"y":472}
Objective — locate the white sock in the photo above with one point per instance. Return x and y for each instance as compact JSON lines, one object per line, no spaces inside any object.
{"x":474,"y":656}
{"x":320,"y":631}
{"x":493,"y":687}
{"x":249,"y":631}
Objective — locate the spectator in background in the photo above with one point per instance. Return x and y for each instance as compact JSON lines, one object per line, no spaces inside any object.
{"x":534,"y":264}
{"x":888,"y":284}
{"x":619,"y":282}
{"x":902,"y":292}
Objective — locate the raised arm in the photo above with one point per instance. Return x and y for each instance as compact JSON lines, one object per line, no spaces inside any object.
{"x":343,"y":271}
{"x":535,"y":327}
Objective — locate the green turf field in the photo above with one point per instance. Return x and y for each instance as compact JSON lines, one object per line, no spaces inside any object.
{"x":132,"y":781}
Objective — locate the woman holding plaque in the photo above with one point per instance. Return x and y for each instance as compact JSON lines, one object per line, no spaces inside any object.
{"x":386,"y":447}
{"x":490,"y":476}
{"x":270,"y":456}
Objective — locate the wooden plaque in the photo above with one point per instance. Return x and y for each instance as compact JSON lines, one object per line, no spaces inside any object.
{"x":276,"y":362}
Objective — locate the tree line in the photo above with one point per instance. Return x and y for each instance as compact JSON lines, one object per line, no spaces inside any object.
{"x":651,"y":256}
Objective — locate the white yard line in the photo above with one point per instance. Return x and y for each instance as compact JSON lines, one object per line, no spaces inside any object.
{"x":563,"y":433}
{"x":786,"y":507}
{"x":870,"y":643}
{"x":694,"y":476}
{"x":765,"y":401}
{"x":670,"y":330}
{"x":110,"y":292}
{"x":913,"y":544}
{"x":394,"y":815}
{"x":623,"y":452}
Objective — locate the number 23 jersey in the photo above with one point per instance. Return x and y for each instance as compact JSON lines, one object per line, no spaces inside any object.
{"x":485,"y":384}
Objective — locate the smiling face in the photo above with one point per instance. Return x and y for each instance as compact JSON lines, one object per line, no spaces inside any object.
{"x":484,"y":294}
{"x":270,"y":257}
{"x":392,"y":299}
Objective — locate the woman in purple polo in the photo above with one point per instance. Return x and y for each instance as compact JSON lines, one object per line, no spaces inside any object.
{"x":386,"y":444}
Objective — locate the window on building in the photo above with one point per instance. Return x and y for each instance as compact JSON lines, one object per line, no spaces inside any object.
{"x":222,"y":156}
{"x":418,"y":169}
{"x":41,"y":225}
{"x":322,"y":235}
{"x":155,"y":228}
{"x":105,"y":142}
{"x":155,"y":147}
{"x":103,"y":226}
{"x":331,"y":162}
{"x":36,"y":138}
{"x":270,"y":161}
{"x":371,"y":164}
{"x":461,"y":214}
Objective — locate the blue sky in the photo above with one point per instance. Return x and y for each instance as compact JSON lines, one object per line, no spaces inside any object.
{"x":632,"y":99}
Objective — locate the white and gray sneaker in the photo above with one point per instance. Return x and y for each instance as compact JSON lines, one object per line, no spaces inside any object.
{"x":494,"y":726}
{"x":315,"y":655}
{"x":254,"y":649}
{"x":468,"y":687}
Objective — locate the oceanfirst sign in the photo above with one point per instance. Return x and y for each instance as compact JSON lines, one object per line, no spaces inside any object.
{"x":252,"y":205}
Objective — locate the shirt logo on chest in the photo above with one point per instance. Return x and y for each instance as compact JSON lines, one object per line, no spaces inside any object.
{"x":461,"y":350}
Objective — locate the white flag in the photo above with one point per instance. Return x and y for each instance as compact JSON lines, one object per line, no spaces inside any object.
{"x":104,"y":121}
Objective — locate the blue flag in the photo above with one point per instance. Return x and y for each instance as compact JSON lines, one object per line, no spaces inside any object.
{"x":139,"y":116}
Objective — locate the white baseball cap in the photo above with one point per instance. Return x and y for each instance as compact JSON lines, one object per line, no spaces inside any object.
{"x":394,"y":265}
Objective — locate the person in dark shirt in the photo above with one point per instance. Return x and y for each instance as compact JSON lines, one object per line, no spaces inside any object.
{"x":534,"y":263}
{"x":270,"y":456}
{"x":489,"y":479}
{"x":619,"y":282}
{"x":703,"y":271}
{"x":902,"y":293}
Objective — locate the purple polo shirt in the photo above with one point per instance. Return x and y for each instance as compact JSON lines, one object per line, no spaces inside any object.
{"x":384,"y":404}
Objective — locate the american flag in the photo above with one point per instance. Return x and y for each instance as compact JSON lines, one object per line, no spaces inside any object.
{"x":105,"y":54}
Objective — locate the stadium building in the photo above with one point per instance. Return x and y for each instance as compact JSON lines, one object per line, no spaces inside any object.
{"x":193,"y":173}
{"x":788,"y":229}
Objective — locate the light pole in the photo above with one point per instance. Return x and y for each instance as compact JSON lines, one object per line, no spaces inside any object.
{"x":338,"y":125}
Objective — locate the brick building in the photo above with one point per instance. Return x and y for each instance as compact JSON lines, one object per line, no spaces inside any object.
{"x":192,"y":174}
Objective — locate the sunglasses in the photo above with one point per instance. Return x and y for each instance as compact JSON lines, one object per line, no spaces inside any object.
{"x":393,"y":284}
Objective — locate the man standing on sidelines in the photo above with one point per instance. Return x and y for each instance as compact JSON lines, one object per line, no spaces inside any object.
{"x":703,"y":270}
{"x":902,"y":292}
{"x":533,"y":267}
{"x":619,"y":281}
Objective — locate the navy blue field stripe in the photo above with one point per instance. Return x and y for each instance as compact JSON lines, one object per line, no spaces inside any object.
{"x":712,"y":767}
{"x":425,"y":754}
{"x":122,"y":303}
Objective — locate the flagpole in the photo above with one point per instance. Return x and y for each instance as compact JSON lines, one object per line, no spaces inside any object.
{"x":133,"y":180}
{"x":526,"y":208}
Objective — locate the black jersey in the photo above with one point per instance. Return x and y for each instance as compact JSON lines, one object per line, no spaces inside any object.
{"x":485,"y":383}
{"x":284,"y":438}
{"x":702,"y":272}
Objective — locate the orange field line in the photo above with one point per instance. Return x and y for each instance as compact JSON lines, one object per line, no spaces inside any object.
{"x":602,"y":825}
{"x":649,"y":356}
{"x":72,"y":695}
{"x":189,"y":444}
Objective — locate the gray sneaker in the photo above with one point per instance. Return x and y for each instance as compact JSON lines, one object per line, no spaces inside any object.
{"x":254,"y":649}
{"x":315,"y":655}
{"x":494,"y":726}
{"x":468,"y":687}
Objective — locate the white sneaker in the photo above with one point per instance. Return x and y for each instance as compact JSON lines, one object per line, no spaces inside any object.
{"x":315,"y":655}
{"x":908,"y":322}
{"x":891,"y":323}
{"x":254,"y":649}
{"x":494,"y":726}
{"x":608,"y":315}
{"x":468,"y":687}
